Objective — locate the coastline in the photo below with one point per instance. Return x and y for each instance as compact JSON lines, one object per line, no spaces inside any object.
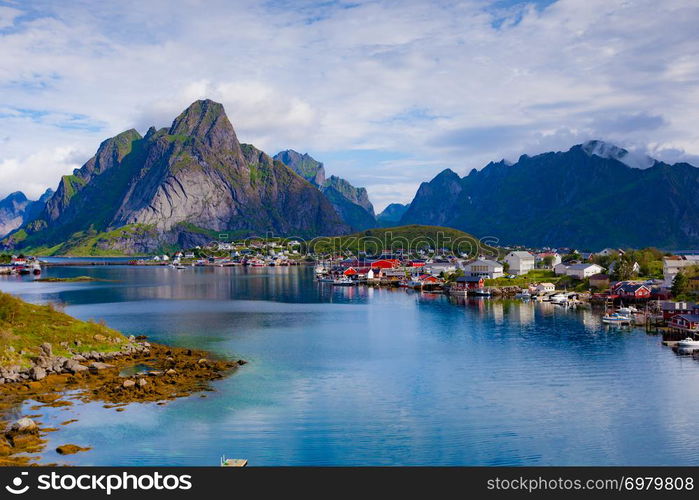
{"x":117,"y":381}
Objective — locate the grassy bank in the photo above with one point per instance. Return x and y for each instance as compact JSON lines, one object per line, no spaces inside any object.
{"x":24,"y":327}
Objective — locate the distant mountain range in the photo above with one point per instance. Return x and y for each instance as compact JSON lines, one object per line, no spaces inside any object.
{"x":17,"y":209}
{"x":351,"y":204}
{"x":179,"y":186}
{"x":392,"y":214}
{"x":194,"y":182}
{"x":592,"y":196}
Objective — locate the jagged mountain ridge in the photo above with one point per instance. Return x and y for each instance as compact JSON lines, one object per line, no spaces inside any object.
{"x":16,"y":209}
{"x":181,"y":185}
{"x":351,"y":203}
{"x":586,"y":197}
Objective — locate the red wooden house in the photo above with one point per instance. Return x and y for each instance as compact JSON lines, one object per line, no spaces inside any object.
{"x":633,"y":291}
{"x":687,"y":322}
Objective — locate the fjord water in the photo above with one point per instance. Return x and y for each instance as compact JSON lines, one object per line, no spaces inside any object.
{"x":357,"y":376}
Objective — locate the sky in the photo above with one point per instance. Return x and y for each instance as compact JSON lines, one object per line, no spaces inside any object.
{"x":385,"y":93}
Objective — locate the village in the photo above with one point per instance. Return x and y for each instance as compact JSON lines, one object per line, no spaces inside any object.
{"x":633,"y":287}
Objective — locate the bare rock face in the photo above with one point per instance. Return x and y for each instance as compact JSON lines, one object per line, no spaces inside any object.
{"x":182,"y":184}
{"x":22,"y":426}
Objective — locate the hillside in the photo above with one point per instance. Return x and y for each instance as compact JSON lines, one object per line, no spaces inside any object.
{"x":412,"y":237}
{"x":177,"y":186}
{"x":590,"y":197}
{"x":24,"y":327}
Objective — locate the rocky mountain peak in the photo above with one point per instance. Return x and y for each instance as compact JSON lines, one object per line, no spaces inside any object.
{"x":613,"y":152}
{"x":206,"y":120}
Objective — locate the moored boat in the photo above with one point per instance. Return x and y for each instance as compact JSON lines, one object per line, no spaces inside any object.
{"x":616,"y":318}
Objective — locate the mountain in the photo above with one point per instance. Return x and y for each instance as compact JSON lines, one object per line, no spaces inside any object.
{"x":392,"y":214}
{"x":183,"y":185}
{"x":16,"y":210}
{"x":592,"y":196}
{"x":351,"y":203}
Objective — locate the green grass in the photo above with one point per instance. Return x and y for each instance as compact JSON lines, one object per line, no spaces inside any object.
{"x":24,"y":327}
{"x":533,"y":276}
{"x":412,"y":237}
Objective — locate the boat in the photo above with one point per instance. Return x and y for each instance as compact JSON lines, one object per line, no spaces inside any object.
{"x":559,"y":298}
{"x":325,"y":279}
{"x":344,"y":281}
{"x":180,"y":266}
{"x":480,"y":292}
{"x":36,"y":269}
{"x":233,"y":462}
{"x":688,"y":343}
{"x":320,"y":269}
{"x":524,"y":295}
{"x":616,"y":318}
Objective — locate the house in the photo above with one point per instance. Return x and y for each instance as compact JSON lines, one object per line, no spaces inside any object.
{"x":484,"y":268}
{"x":385,"y":264}
{"x":436,"y":268}
{"x":599,"y":281}
{"x":545,"y":288}
{"x":674,"y":264}
{"x":608,"y":252}
{"x":671,"y":308}
{"x":555,"y":259}
{"x":370,"y":274}
{"x":468,"y":283}
{"x":694,"y":284}
{"x":560,"y":269}
{"x":686,"y":322}
{"x":579,"y":271}
{"x":520,"y":262}
{"x":189,"y":255}
{"x":633,"y":291}
{"x":350,"y":271}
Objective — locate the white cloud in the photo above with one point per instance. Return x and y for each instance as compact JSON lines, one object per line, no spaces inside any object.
{"x":437,"y":84}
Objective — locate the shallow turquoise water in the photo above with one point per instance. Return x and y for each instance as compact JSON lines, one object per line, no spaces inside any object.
{"x":355,"y":376}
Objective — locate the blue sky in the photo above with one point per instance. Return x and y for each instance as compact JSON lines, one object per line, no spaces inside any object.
{"x":385,"y":93}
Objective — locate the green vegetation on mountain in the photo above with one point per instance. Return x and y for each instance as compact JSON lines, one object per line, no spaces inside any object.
{"x":407,"y":238}
{"x":580,"y":198}
{"x":143,"y":194}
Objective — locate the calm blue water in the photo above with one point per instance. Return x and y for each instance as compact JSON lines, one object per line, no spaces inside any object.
{"x":355,"y":376}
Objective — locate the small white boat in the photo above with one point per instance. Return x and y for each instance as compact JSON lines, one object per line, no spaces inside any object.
{"x":480,"y":292}
{"x":320,"y":269}
{"x":325,"y":279}
{"x":688,"y":343}
{"x":616,"y":319}
{"x":559,"y":298}
{"x":524,"y":295}
{"x":344,"y":281}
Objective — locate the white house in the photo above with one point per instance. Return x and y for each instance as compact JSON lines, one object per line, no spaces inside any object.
{"x":608,"y":252}
{"x":555,"y":258}
{"x":545,"y":288}
{"x":434,"y":268}
{"x":579,"y":271}
{"x":484,"y":268}
{"x":520,"y":262}
{"x":673,"y":265}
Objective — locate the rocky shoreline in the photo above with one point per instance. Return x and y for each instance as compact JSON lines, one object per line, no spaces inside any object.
{"x":140,"y":372}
